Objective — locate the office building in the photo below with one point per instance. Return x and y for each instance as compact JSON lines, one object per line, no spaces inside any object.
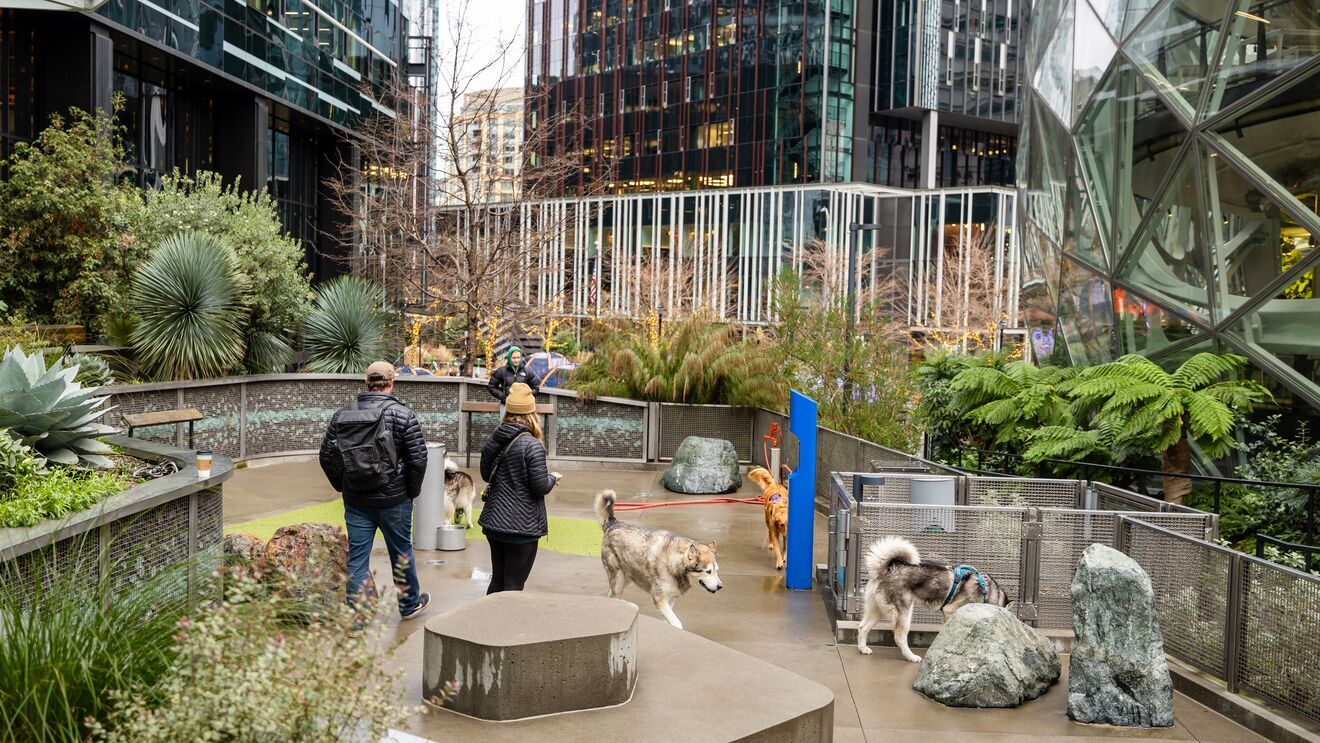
{"x":265,"y":92}
{"x":489,"y":149}
{"x":1170,"y":182}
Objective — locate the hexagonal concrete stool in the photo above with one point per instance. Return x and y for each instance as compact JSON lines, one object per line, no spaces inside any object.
{"x":527,"y":654}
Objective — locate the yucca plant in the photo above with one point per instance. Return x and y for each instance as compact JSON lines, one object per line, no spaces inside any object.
{"x":44,"y":407}
{"x":266,"y":352}
{"x":1133,"y":405}
{"x":346,"y":330}
{"x":185,"y":297}
{"x":695,"y":361}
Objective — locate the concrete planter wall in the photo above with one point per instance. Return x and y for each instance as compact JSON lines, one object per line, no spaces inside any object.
{"x":135,"y":534}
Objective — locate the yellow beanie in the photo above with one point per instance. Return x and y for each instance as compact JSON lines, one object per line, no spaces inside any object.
{"x":520,"y":400}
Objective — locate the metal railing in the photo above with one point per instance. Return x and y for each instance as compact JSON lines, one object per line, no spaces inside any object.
{"x":1242,"y":619}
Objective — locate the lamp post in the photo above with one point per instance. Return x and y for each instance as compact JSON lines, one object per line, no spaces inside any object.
{"x":853,"y":229}
{"x":660,"y":320}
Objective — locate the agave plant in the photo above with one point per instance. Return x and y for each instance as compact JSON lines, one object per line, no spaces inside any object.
{"x":185,"y":297}
{"x":46,"y":409}
{"x":93,"y":371}
{"x":346,"y":330}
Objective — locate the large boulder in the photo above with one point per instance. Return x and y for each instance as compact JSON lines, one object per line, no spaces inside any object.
{"x":310,"y":561}
{"x":1117,"y":674}
{"x":986,"y":657}
{"x":242,"y":551}
{"x":703,"y":466}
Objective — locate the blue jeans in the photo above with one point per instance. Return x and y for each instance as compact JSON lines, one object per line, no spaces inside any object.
{"x":395,"y":524}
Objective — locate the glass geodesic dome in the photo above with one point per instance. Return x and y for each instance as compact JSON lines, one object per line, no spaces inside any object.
{"x":1170,"y":177}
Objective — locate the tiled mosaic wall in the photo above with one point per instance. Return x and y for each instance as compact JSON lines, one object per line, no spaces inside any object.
{"x":291,"y":413}
{"x":599,"y":429}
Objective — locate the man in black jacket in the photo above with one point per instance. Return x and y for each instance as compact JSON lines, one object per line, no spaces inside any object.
{"x":513,"y":371}
{"x":388,"y":509}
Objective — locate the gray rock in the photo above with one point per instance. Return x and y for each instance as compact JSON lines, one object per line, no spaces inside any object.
{"x":986,"y":657}
{"x":703,"y":466}
{"x":1117,"y":674}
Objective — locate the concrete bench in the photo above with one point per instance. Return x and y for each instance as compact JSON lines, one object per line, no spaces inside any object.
{"x":162,"y":418}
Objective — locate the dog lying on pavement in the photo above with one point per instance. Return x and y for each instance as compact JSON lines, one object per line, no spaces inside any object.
{"x":460,"y":493}
{"x":659,"y":562}
{"x":775,"y":498}
{"x":897,"y":579}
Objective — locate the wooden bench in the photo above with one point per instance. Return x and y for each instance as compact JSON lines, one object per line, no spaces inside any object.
{"x":162,"y":418}
{"x":468,"y":408}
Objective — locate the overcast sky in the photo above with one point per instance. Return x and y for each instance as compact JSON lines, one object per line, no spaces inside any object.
{"x":494,"y":20}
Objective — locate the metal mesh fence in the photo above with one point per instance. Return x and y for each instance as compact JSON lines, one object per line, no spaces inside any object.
{"x":1066,"y":533}
{"x":1190,"y":579}
{"x":30,"y":576}
{"x":988,"y":538}
{"x":1279,"y":653}
{"x":734,"y":425}
{"x":149,"y":543}
{"x":1110,"y":498}
{"x":1023,"y":492}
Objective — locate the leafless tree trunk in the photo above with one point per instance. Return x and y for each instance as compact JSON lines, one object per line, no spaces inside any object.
{"x":434,"y":226}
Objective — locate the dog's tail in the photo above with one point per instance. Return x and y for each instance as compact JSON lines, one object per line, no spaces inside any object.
{"x":605,"y":506}
{"x":889,"y":550}
{"x":450,"y":465}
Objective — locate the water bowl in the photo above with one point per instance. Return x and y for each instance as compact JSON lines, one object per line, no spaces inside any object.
{"x":451,"y":537}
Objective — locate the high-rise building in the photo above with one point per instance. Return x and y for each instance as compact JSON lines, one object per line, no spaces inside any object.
{"x":489,"y":149}
{"x":1170,"y":182}
{"x":671,"y":95}
{"x":717,"y":143}
{"x":265,"y":92}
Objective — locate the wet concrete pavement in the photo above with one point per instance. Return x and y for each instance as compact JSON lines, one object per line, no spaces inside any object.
{"x":754,"y":614}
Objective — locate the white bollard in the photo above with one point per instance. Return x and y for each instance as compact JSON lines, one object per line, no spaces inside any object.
{"x":429,"y":508}
{"x":774,"y":464}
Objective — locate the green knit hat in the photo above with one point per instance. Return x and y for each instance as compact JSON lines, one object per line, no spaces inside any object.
{"x":508,"y":357}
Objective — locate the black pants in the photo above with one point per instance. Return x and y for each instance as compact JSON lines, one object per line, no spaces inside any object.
{"x":510,"y":564}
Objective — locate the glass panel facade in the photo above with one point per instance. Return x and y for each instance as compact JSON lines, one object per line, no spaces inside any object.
{"x":1166,"y":261}
{"x":1175,"y":48}
{"x":1093,"y":50}
{"x":1053,"y":80}
{"x":1265,"y":39}
{"x":1196,"y":157}
{"x":1086,"y":314}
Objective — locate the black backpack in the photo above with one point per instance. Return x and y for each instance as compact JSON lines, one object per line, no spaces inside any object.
{"x":366,"y":446}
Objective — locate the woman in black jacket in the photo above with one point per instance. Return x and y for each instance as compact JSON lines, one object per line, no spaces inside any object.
{"x":514,"y":370}
{"x":517,"y":481}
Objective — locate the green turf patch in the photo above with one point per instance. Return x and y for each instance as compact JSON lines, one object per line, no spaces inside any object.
{"x":567,"y":535}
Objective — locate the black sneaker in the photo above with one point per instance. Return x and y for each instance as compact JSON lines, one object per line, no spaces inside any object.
{"x":423,"y":601}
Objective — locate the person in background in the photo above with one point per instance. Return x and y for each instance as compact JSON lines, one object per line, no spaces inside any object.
{"x":513,"y":372}
{"x":379,"y":483}
{"x":513,"y":517}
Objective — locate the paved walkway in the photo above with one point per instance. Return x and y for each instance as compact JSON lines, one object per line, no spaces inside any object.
{"x":753,"y":614}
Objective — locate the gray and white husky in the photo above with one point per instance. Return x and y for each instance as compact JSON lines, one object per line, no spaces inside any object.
{"x":460,"y":493}
{"x":898,"y":579}
{"x":659,"y":562}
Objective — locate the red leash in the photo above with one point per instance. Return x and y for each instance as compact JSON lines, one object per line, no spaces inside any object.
{"x":756,"y":501}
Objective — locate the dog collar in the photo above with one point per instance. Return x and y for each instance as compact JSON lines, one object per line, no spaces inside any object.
{"x":960,"y":574}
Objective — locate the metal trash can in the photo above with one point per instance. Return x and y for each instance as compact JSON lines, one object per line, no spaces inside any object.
{"x":451,"y":537}
{"x":429,"y":508}
{"x":934,"y":491}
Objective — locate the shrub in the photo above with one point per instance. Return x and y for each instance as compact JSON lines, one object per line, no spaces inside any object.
{"x":242,"y":673}
{"x":57,"y":493}
{"x":817,"y":356}
{"x":18,"y":464}
{"x":186,"y":298}
{"x":63,"y":255}
{"x":45,"y":408}
{"x":696,"y":361}
{"x":93,"y":371}
{"x":67,"y":641}
{"x":346,"y":330}
{"x":276,"y":292}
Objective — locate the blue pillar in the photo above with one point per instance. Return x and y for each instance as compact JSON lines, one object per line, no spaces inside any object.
{"x":801,"y":492}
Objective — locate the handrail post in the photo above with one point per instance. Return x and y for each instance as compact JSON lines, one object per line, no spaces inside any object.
{"x":1233,"y":622}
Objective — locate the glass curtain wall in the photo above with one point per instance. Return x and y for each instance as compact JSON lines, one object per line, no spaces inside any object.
{"x":1169,"y":183}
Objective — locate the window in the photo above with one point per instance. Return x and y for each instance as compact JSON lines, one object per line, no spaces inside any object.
{"x":948,"y":66}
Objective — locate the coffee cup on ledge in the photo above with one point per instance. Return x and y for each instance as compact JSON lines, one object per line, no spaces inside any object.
{"x":203,"y":464}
